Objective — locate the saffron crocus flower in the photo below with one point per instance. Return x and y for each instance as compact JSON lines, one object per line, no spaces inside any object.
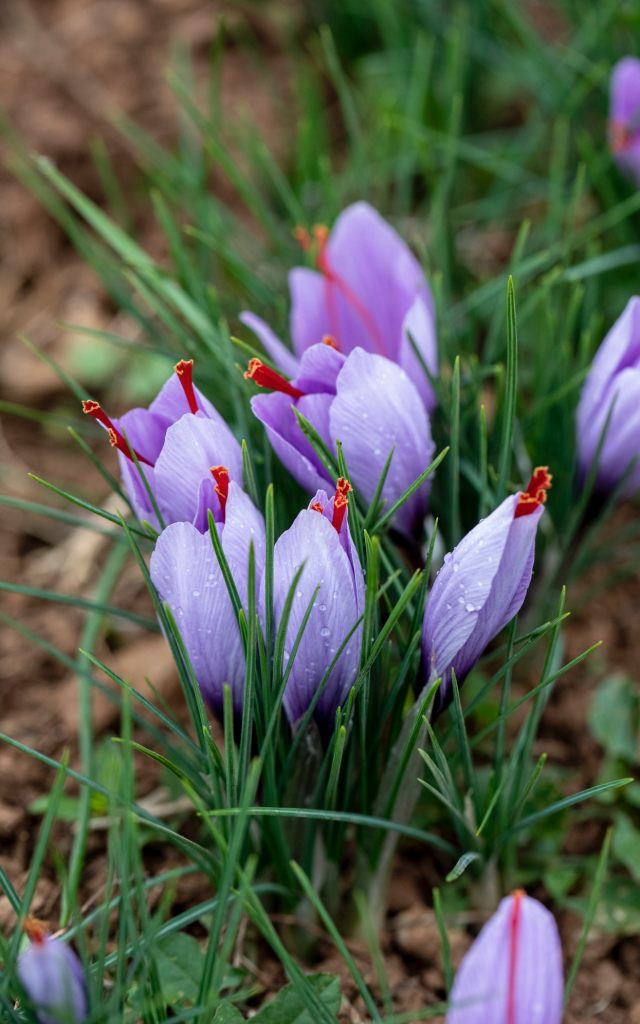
{"x":481,"y":586}
{"x":181,"y":442}
{"x":320,"y":539}
{"x":185,"y":571}
{"x":624,"y":116}
{"x":366,"y":401}
{"x":512,"y":974}
{"x":368,"y":291}
{"x":52,"y":977}
{"x":613,"y":380}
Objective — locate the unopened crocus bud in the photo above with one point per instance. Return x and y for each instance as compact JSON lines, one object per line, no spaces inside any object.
{"x":512,"y":973}
{"x":367,"y":403}
{"x":624,"y":116}
{"x":52,"y":977}
{"x":612,"y":389}
{"x":320,"y":539}
{"x":368,"y":291}
{"x":178,"y":441}
{"x":481,"y":586}
{"x":185,"y":571}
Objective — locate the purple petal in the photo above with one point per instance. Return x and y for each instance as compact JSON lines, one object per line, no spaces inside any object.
{"x":309,"y":320}
{"x":136,"y":491}
{"x":288,"y":441}
{"x":278,"y":352}
{"x":312,"y":540}
{"x":52,"y":977}
{"x":193,"y":445}
{"x":481,"y":989}
{"x":145,"y":430}
{"x":207,"y":500}
{"x":377,"y":407}
{"x":319,"y":369}
{"x":419,"y":323}
{"x":243,"y":524}
{"x":171,"y":402}
{"x":185,"y":571}
{"x":625,"y":89}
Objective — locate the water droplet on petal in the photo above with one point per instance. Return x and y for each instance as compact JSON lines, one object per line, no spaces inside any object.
{"x":455,"y":566}
{"x":469,"y":607}
{"x":322,"y":607}
{"x":325,"y":631}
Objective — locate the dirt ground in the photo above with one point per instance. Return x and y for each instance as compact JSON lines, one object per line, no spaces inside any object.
{"x":65,"y":65}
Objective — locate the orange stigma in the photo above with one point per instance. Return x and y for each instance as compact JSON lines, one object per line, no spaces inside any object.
{"x":330,"y":341}
{"x":117,"y":440}
{"x":302,"y":237}
{"x":265,"y":377}
{"x":221,"y":477}
{"x":35,"y":930}
{"x":184,"y":370}
{"x":340,"y":502}
{"x":535,"y":494}
{"x":317,"y":507}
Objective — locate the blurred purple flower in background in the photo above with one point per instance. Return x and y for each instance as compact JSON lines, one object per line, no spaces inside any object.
{"x":624,"y":116}
{"x":614,"y":375}
{"x":178,"y":440}
{"x":367,"y":402}
{"x":481,"y":586}
{"x":368,"y":291}
{"x":185,"y":571}
{"x":52,"y":977}
{"x":320,"y":538}
{"x":513,"y":972}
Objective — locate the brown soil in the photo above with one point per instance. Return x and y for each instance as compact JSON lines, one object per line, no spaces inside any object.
{"x":65,"y":65}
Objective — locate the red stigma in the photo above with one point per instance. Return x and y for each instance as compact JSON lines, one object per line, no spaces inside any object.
{"x":317,"y":507}
{"x":35,"y":930}
{"x":184,"y":370}
{"x":330,"y":341}
{"x":221,"y":477}
{"x":333,"y":280}
{"x":340,"y":502}
{"x":513,"y":956}
{"x":265,"y":377}
{"x":536,"y":492}
{"x":116,"y":438}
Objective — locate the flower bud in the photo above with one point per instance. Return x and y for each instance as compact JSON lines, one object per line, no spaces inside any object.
{"x":624,"y":116}
{"x":52,"y":977}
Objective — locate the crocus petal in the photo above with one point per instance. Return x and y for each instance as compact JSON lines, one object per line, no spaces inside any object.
{"x":480,"y":993}
{"x":278,"y":352}
{"x":625,"y":89}
{"x":319,"y":369}
{"x":185,"y":571}
{"x":208,"y":500}
{"x":419,"y":323}
{"x":377,"y":407}
{"x":309,"y":321}
{"x":145,"y":430}
{"x":312,"y":540}
{"x":171,"y":402}
{"x":288,"y":441}
{"x":481,"y":586}
{"x":380,"y":268}
{"x":622,"y":440}
{"x":192,"y":446}
{"x":52,"y":977}
{"x":136,"y":491}
{"x":242,"y":525}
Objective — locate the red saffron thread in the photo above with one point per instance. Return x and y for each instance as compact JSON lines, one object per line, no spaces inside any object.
{"x":184,"y":370}
{"x":536,"y":492}
{"x":513,"y":956}
{"x":340,"y":502}
{"x":317,"y":507}
{"x":35,"y":930}
{"x":221,"y":477}
{"x":330,"y":341}
{"x":117,"y":440}
{"x":265,"y":377}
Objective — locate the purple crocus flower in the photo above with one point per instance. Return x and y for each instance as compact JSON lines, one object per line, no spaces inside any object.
{"x":624,"y":116}
{"x":185,"y":571}
{"x":513,"y":972}
{"x":52,"y":977}
{"x":320,"y":539}
{"x":614,"y":379}
{"x":368,"y":291}
{"x":180,"y":441}
{"x":366,"y":401}
{"x":481,"y":586}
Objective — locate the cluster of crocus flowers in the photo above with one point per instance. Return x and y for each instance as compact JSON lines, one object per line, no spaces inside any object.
{"x":481,"y":585}
{"x":513,"y":972}
{"x":52,"y":977}
{"x":624,"y":116}
{"x":610,"y":404}
{"x":363,"y":400}
{"x":184,"y":448}
{"x":367,"y":291}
